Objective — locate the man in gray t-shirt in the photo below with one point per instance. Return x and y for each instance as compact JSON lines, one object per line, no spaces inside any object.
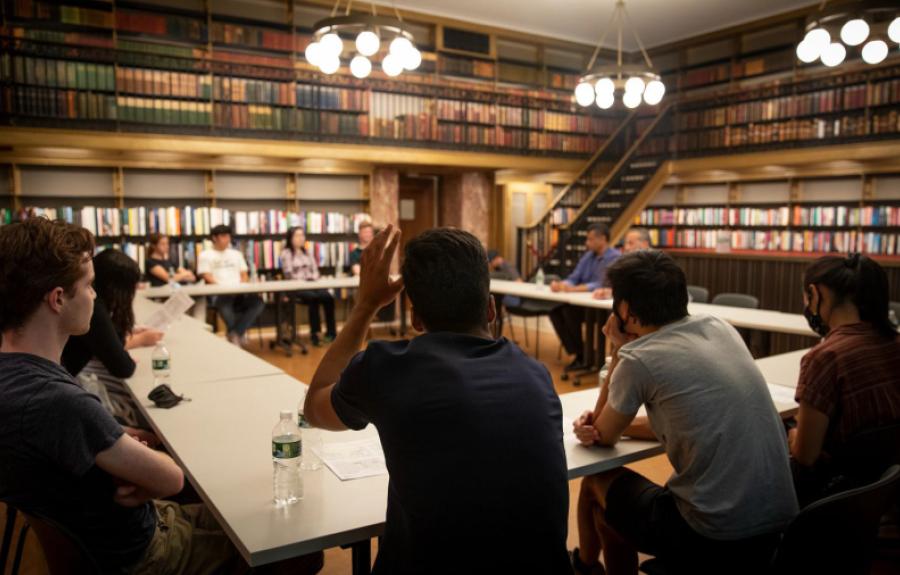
{"x":731,"y":492}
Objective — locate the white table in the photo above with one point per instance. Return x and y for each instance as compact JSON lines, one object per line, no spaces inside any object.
{"x":253,"y":287}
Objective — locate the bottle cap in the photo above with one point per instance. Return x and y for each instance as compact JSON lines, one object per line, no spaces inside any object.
{"x":287,"y":414}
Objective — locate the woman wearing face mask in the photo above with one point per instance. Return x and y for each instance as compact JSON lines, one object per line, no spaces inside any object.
{"x":848,"y":382}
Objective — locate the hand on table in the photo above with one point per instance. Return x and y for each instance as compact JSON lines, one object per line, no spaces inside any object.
{"x":144,"y":337}
{"x":558,"y":286}
{"x":603,"y":293}
{"x":376,"y":289}
{"x":585,"y":430}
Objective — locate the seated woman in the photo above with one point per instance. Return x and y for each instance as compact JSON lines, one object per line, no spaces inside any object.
{"x":848,"y":382}
{"x":159,"y":268}
{"x":103,"y":350}
{"x":297,"y":264}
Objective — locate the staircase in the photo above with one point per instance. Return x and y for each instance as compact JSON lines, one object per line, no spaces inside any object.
{"x":614,"y":186}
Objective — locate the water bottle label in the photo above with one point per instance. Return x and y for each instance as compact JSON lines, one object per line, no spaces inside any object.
{"x":160,"y":364}
{"x":286,"y":449}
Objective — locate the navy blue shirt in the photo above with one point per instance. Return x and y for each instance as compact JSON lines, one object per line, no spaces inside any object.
{"x":51,"y":431}
{"x":472,"y":435}
{"x":591,"y":269}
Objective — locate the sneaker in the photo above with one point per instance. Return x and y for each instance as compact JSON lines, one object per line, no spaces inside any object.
{"x":315,"y":341}
{"x":583,"y":569}
{"x":328,"y":338}
{"x":577,"y":364}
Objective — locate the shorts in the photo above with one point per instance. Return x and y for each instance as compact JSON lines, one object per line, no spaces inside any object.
{"x":646,"y":515}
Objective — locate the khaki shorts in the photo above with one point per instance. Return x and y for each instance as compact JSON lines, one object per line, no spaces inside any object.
{"x":188,"y":540}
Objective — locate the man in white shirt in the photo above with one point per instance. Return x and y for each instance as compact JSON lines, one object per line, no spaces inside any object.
{"x":225,"y":265}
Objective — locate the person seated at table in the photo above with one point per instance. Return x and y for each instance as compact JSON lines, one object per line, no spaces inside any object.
{"x":470,"y":425}
{"x":224,"y":265}
{"x":731,"y":492}
{"x":849,"y":381}
{"x":103,"y":350}
{"x":364,"y":234}
{"x":159,"y":267}
{"x":635,"y":239}
{"x":297,"y":264}
{"x":589,"y":274}
{"x":64,"y":456}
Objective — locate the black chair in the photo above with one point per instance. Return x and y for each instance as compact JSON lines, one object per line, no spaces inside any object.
{"x":533,"y":308}
{"x":833,"y":535}
{"x":6,"y":547}
{"x":736,"y":300}
{"x":698,"y":294}
{"x":837,"y":534}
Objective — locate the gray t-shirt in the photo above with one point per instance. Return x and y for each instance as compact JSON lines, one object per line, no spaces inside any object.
{"x":708,"y":404}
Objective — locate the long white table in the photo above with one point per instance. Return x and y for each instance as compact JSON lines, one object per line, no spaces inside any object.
{"x":252,"y":287}
{"x":759,"y":319}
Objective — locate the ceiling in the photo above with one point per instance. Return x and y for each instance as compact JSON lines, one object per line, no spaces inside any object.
{"x":658,"y":22}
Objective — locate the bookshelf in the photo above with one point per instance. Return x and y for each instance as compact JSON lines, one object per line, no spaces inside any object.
{"x":783,"y":219}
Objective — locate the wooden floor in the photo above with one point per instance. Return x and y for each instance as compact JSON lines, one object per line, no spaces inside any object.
{"x":337,"y":561}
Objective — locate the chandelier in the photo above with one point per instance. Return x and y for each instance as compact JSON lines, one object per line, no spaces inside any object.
{"x":371,"y":32}
{"x":869,"y":24}
{"x":636,"y":82}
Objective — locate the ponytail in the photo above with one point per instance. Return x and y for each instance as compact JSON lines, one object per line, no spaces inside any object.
{"x":861,"y":281}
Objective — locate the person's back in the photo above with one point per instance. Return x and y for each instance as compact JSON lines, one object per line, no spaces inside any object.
{"x":708,"y":403}
{"x":471,"y":428}
{"x":852,"y":376}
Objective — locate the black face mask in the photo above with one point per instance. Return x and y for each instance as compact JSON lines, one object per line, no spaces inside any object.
{"x":815,"y":320}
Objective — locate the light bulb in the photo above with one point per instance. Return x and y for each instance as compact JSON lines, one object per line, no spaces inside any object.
{"x":367,"y":43}
{"x":632,"y":99}
{"x":806,"y":52}
{"x":834,"y":54}
{"x":360,"y":66}
{"x":411,"y":59}
{"x":818,"y":40}
{"x":400,"y":45}
{"x":854,"y":32}
{"x":332,"y":44}
{"x":654,"y":92}
{"x":329,"y":64}
{"x":875,"y":51}
{"x":894,"y":30}
{"x":605,"y":85}
{"x":636,"y":85}
{"x":605,"y":100}
{"x":584,"y":94}
{"x":313,"y":53}
{"x":392,"y":65}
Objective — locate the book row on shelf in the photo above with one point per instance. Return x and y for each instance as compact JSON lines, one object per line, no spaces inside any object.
{"x":805,"y":216}
{"x":191,"y":221}
{"x":807,"y":241}
{"x":465,"y":67}
{"x":489,"y":113}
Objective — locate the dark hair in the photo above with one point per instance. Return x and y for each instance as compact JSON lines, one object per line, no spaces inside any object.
{"x":652,"y":284}
{"x":220,"y":230}
{"x":115,"y":278}
{"x":859,"y":280}
{"x":36,"y":257}
{"x":445,"y":273}
{"x":599,"y":229}
{"x":153,"y":241}
{"x":289,"y":239}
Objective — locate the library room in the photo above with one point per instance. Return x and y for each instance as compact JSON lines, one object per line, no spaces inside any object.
{"x":430,"y":287}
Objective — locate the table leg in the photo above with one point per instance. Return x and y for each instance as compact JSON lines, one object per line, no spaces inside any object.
{"x":361,"y":557}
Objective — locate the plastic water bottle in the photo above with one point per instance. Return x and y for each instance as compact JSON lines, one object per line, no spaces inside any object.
{"x":539,"y":277}
{"x":286,"y":448}
{"x":311,"y":439}
{"x":160,"y":363}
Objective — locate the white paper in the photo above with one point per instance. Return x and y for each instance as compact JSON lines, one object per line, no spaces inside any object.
{"x":353,"y":459}
{"x":177,"y":304}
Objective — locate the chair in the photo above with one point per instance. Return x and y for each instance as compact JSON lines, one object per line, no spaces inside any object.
{"x":833,"y":535}
{"x":64,"y":552}
{"x":837,"y":534}
{"x":736,"y":300}
{"x":6,"y":547}
{"x":698,"y":294}
{"x":536,"y":309}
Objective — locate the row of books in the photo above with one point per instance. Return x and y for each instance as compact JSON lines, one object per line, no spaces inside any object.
{"x":562,"y":216}
{"x":709,"y":75}
{"x":311,"y":96}
{"x":783,"y":241}
{"x":255,"y":91}
{"x":63,"y":104}
{"x":166,"y":83}
{"x":761,"y":134}
{"x":252,"y":36}
{"x":882,"y":216}
{"x":800,"y":216}
{"x":156,"y":111}
{"x":505,"y":137}
{"x":761,"y":110}
{"x":63,"y":74}
{"x":466,"y":67}
{"x":155,"y":24}
{"x":100,"y":221}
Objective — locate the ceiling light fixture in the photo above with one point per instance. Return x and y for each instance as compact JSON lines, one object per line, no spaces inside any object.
{"x":371,"y":33}
{"x":598,"y":85}
{"x":867,"y":24}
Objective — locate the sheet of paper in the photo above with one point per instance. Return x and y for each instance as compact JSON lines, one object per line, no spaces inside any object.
{"x":354,"y":459}
{"x":177,"y":304}
{"x":783,"y":397}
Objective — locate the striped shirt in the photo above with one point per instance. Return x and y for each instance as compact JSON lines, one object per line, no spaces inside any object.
{"x":853,"y":377}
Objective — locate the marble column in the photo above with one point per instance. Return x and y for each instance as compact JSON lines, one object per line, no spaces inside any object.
{"x":464,"y":202}
{"x":384,"y":197}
